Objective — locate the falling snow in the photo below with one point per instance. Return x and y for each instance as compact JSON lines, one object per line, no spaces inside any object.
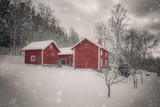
{"x":36,"y":86}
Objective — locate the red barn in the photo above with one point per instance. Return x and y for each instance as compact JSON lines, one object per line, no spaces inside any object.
{"x":42,"y":52}
{"x":65,"y":56}
{"x":88,"y":54}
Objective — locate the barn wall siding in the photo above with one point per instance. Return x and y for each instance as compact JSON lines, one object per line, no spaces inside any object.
{"x":86,"y":55}
{"x":68,"y":58}
{"x":104,"y":58}
{"x":50,"y":55}
{"x":36,"y":53}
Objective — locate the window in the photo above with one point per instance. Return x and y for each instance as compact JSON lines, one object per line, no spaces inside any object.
{"x":63,"y":61}
{"x":101,"y":62}
{"x":105,"y":54}
{"x":101,"y":52}
{"x":50,"y":46}
{"x":106,"y":63}
{"x":32,"y":58}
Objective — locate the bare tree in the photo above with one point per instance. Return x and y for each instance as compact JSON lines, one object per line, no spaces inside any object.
{"x":145,"y":42}
{"x":131,"y":52}
{"x":117,"y":24}
{"x":111,"y":76}
{"x":103,"y":32}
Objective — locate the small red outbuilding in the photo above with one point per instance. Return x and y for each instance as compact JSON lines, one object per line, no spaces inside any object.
{"x":87,"y":54}
{"x":66,"y":56}
{"x":41,"y":52}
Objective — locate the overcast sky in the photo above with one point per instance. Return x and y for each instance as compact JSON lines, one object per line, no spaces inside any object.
{"x":83,"y":14}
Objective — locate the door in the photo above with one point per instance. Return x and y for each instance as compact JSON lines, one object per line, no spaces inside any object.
{"x":63,"y":61}
{"x":38,"y":60}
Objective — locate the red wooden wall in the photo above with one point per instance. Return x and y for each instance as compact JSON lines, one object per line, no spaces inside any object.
{"x":36,"y":53}
{"x":86,"y":55}
{"x":68,"y":58}
{"x":104,"y":57}
{"x":50,"y":55}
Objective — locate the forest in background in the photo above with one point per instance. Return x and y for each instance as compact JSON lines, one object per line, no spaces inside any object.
{"x":128,"y":45}
{"x":22,"y":23}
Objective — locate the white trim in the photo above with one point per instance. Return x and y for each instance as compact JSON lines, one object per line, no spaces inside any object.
{"x":101,"y":63}
{"x":101,"y":52}
{"x":98,"y":58}
{"x":74,"y":58}
{"x":89,"y":41}
{"x":56,"y":46}
{"x":42,"y":57}
{"x":78,"y":43}
{"x":24,"y":56}
{"x":106,"y":54}
{"x":50,"y":42}
{"x":51,"y":46}
{"x":106,"y":62}
{"x":33,"y":56}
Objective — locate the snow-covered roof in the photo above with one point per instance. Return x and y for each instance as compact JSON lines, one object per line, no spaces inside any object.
{"x":91,"y":42}
{"x":39,"y":45}
{"x":66,"y":51}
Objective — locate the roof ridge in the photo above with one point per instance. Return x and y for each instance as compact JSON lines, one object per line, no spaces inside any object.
{"x":37,"y":45}
{"x":91,"y":42}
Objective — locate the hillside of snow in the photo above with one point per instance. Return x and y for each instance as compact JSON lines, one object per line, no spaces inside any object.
{"x":23,"y":85}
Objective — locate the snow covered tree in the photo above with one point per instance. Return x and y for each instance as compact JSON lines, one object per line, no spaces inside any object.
{"x":117,"y":25}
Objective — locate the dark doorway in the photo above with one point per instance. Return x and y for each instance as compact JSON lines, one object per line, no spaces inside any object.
{"x":38,"y":60}
{"x":63,"y":61}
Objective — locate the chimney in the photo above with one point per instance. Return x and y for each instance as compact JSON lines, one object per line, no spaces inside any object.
{"x":100,"y":42}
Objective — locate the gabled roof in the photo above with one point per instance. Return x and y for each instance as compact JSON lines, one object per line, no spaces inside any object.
{"x":91,"y":42}
{"x":66,"y":51}
{"x":39,"y":45}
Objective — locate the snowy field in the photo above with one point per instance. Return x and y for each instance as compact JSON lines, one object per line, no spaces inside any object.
{"x":24,"y":85}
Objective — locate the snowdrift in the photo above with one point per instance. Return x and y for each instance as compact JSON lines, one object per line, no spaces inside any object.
{"x":24,"y":85}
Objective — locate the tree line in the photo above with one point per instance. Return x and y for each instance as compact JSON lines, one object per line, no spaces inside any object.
{"x":129,"y":49}
{"x":21,"y":23}
{"x":129,"y":45}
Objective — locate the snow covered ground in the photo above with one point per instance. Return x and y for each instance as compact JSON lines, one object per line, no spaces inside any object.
{"x":24,"y":85}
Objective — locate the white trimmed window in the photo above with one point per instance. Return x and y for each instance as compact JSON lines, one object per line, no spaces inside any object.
{"x":50,"y":46}
{"x":106,"y":62}
{"x":105,"y":54}
{"x":32,"y":58}
{"x":101,"y":52}
{"x":101,"y":62}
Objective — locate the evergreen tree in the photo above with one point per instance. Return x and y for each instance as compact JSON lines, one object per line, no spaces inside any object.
{"x":4,"y":35}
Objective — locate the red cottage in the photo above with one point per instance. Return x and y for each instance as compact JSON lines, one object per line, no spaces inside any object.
{"x":65,"y":56}
{"x":42,"y":52}
{"x":88,"y":54}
